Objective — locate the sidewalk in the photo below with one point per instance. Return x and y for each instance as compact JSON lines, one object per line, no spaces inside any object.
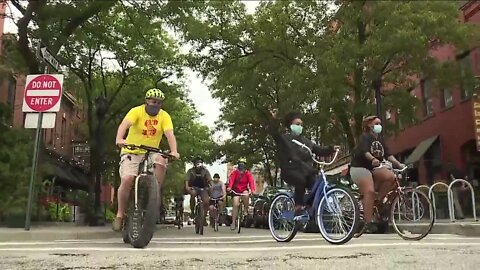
{"x":466,"y":227}
{"x":62,"y":231}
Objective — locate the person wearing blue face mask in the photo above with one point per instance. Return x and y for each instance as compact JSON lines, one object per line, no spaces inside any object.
{"x":296,"y":164}
{"x":370,"y":152}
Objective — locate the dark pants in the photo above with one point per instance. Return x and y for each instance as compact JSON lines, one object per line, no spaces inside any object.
{"x":301,"y":181}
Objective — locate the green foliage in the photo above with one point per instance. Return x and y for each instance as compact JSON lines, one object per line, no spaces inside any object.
{"x":320,"y":59}
{"x":15,"y":161}
{"x":61,"y":213}
{"x":110,"y":215}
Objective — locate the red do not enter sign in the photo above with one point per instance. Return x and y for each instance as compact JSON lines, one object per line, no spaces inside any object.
{"x":43,"y":93}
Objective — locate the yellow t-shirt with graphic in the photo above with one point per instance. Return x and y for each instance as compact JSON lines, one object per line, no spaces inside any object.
{"x":145,"y":129}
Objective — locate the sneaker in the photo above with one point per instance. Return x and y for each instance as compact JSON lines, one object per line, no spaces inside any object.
{"x":232,"y":226}
{"x":117,"y":224}
{"x":366,"y":228}
{"x":299,"y":214}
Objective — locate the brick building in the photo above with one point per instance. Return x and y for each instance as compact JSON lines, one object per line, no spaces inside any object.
{"x":446,"y":131}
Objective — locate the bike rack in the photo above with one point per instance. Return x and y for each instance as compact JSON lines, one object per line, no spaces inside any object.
{"x":423,"y":186}
{"x":451,"y":207}
{"x":431,"y":195}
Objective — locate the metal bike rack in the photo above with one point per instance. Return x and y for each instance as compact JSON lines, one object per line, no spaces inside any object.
{"x":451,"y":207}
{"x":423,"y":186}
{"x":431,"y":195}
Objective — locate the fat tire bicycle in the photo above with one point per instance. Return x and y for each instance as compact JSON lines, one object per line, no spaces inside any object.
{"x":329,"y":210}
{"x":143,"y":208}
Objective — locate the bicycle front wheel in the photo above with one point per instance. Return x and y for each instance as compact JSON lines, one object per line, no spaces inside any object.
{"x":199,"y":218}
{"x":412,"y":214}
{"x":142,"y":220}
{"x":337,"y":216}
{"x":281,"y":219}
{"x":240,"y":216}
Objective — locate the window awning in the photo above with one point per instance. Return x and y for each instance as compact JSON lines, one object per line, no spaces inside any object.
{"x":68,"y":175}
{"x":420,"y":150}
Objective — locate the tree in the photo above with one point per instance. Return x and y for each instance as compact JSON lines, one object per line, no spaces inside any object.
{"x":301,"y":55}
{"x":387,"y":46}
{"x":54,"y":22}
{"x":15,"y":162}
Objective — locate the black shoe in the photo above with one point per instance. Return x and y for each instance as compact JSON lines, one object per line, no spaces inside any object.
{"x":365,"y":228}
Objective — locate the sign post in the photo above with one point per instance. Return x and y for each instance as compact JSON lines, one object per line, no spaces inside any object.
{"x":43,"y":93}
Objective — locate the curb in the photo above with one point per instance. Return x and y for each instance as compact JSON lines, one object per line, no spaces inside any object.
{"x":463,"y":229}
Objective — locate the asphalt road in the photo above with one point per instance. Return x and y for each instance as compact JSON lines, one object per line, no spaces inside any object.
{"x":252,"y":249}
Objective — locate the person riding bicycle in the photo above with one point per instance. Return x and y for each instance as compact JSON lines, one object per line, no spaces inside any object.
{"x":370,"y":152}
{"x":178,"y":199}
{"x":296,"y":163}
{"x":240,"y":181}
{"x":198,"y":177}
{"x":218,"y":192}
{"x":146,"y":125}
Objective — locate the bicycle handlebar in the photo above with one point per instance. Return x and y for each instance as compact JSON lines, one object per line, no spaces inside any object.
{"x":149,"y":149}
{"x":239,"y":194}
{"x":322,"y":163}
{"x":389,"y":166}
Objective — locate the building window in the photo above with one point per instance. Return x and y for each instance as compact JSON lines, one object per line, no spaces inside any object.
{"x":447,"y":98}
{"x":467,"y":82}
{"x":64,"y":131}
{"x":12,"y":87}
{"x":51,"y":140}
{"x":427,"y":98}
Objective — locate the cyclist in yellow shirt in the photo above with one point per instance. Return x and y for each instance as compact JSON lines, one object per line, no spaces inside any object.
{"x":146,"y":125}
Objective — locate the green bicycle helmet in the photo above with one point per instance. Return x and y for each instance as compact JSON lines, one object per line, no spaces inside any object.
{"x":155,"y":93}
{"x":242,"y":160}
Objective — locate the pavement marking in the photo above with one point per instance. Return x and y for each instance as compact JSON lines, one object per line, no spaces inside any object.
{"x":158,"y":241}
{"x":228,"y":240}
{"x":246,"y":249}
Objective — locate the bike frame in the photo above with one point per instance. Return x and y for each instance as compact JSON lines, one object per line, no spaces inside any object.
{"x":317,"y":190}
{"x":143,"y":171}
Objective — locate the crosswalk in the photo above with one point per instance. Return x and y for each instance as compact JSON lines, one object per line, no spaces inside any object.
{"x":235,"y":243}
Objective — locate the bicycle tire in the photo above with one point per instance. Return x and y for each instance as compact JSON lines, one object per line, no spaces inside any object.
{"x":201,"y":219}
{"x":271,"y":226}
{"x":239,"y":216}
{"x":431,"y":212}
{"x":216,"y":219}
{"x":355,"y":218}
{"x":197,"y":222}
{"x":141,"y":227}
{"x":178,"y":219}
{"x":125,"y":236}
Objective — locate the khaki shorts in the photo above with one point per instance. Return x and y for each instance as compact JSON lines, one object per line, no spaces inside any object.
{"x":129,"y":163}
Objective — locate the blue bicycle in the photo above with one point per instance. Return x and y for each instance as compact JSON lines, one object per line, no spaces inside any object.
{"x":334,"y":210}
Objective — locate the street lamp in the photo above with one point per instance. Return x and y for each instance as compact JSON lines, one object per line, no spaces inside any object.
{"x":377,"y":87}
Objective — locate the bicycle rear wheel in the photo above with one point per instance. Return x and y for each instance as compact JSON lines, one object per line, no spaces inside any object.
{"x":412,"y":214}
{"x":281,"y":221}
{"x":142,"y":219}
{"x":337,"y":216}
